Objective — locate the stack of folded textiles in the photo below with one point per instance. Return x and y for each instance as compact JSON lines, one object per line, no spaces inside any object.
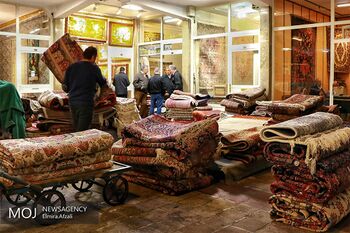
{"x":168,"y":156}
{"x":311,"y":162}
{"x":243,"y":154}
{"x":40,"y":159}
{"x":181,"y":105}
{"x":127,"y":113}
{"x":201,"y":113}
{"x":243,"y":102}
{"x":55,"y":117}
{"x":295,"y":106}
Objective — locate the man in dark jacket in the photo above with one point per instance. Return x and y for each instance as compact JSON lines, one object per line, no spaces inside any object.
{"x":141,"y":84}
{"x":121,"y":83}
{"x":80,"y":83}
{"x":168,"y":83}
{"x":177,"y":78}
{"x":156,"y":90}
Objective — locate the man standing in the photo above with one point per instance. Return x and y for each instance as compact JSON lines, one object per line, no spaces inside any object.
{"x":141,"y":85}
{"x":177,"y":78}
{"x":80,"y":83}
{"x":121,"y":83}
{"x":168,"y":82}
{"x":156,"y":90}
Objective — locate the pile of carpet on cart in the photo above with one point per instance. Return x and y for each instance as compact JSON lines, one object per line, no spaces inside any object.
{"x":243,"y":102}
{"x":37,"y":160}
{"x":180,"y":105}
{"x":311,"y":162}
{"x":295,"y":106}
{"x":240,"y":149}
{"x":127,"y":113}
{"x":168,"y":156}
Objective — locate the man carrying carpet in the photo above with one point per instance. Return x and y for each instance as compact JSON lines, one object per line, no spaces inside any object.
{"x":80,"y":83}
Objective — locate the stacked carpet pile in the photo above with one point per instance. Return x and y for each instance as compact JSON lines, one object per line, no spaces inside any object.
{"x":205,"y":112}
{"x":180,"y":105}
{"x":243,"y":102}
{"x":127,"y":113}
{"x":168,"y":156}
{"x":293,"y":107}
{"x":311,"y":162}
{"x":38,"y":160}
{"x":241,"y":154}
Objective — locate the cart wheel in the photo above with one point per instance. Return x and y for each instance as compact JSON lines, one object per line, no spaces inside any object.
{"x":49,"y":198}
{"x":18,"y":199}
{"x":115,"y":191}
{"x":83,"y":185}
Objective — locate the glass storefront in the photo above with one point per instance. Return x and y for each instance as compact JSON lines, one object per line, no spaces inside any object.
{"x":306,"y":57}
{"x":21,"y":50}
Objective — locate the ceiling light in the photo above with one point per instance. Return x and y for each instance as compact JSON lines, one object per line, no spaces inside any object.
{"x":169,"y":19}
{"x":34,"y":31}
{"x":297,"y":38}
{"x":344,"y":4}
{"x":132,"y":7}
{"x":286,"y":49}
{"x":119,"y":11}
{"x":139,"y":15}
{"x":94,"y":8}
{"x":179,"y":22}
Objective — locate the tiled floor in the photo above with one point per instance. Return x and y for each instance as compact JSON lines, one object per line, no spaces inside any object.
{"x":236,"y":207}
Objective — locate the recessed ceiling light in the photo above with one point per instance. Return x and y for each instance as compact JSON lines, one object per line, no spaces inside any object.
{"x":139,"y":15}
{"x":344,"y":4}
{"x":132,"y":7}
{"x":119,"y":11}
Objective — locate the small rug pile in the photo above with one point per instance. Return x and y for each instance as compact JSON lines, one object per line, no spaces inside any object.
{"x":241,"y":154}
{"x":243,"y":102}
{"x":168,"y":156}
{"x":180,"y":105}
{"x":40,"y":159}
{"x":311,"y":160}
{"x":127,"y":113}
{"x":293,"y":107}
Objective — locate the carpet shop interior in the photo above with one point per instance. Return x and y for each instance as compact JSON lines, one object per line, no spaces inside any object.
{"x":201,"y":116}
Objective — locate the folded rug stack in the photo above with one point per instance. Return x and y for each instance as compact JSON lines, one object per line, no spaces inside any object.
{"x":168,"y":156}
{"x":104,"y":109}
{"x":295,"y":106}
{"x":311,"y":162}
{"x":127,"y":113}
{"x":242,"y":154}
{"x":40,"y":159}
{"x":181,"y":105}
{"x":243,"y":102}
{"x":56,"y":117}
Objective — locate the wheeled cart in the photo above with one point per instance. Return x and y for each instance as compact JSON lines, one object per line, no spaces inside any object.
{"x":45,"y":194}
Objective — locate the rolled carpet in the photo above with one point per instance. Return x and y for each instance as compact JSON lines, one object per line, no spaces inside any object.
{"x":308,"y":215}
{"x":310,"y":124}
